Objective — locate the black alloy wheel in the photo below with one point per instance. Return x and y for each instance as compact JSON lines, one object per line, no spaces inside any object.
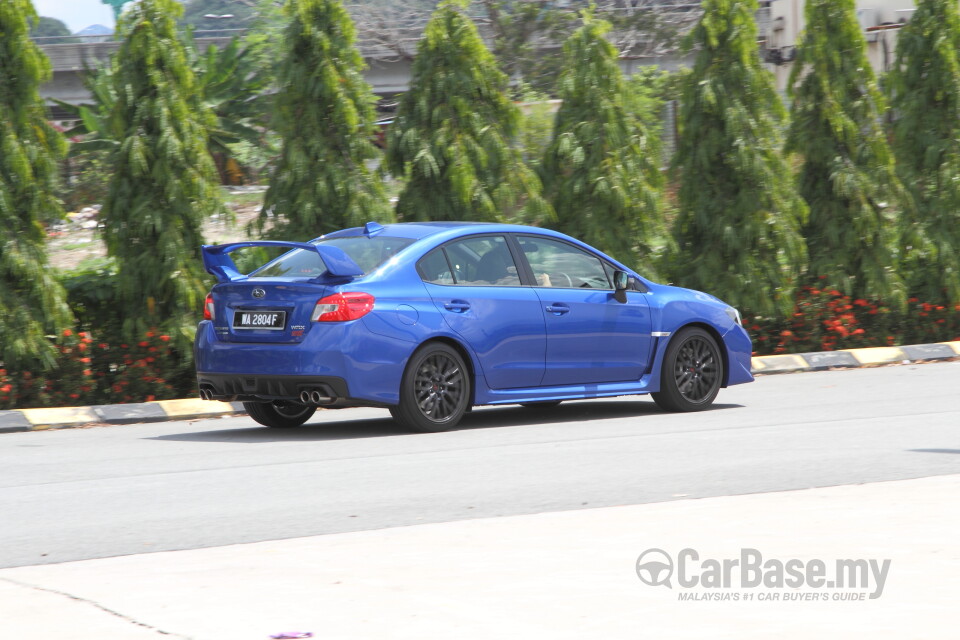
{"x":692,"y":372}
{"x":279,"y":414}
{"x":435,"y":390}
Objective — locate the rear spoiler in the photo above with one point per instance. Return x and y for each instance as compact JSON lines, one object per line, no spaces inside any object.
{"x":217,"y":260}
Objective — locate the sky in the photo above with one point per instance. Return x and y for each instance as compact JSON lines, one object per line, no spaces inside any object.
{"x":76,"y":14}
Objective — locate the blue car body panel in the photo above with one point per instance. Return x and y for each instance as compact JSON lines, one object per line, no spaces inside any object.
{"x":522,"y":343}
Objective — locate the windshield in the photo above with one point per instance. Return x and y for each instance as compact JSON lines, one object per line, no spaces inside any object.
{"x":369,"y":253}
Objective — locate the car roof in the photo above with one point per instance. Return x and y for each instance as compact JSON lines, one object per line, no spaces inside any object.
{"x":419,"y":230}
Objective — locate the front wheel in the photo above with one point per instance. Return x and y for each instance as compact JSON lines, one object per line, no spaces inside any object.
{"x":279,"y":415}
{"x":434,"y":391}
{"x":692,"y":372}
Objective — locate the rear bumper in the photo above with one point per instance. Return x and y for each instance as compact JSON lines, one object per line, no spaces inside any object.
{"x":255,"y":388}
{"x":359,"y":367}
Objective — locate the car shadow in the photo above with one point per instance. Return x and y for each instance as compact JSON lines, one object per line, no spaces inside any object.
{"x":934,"y":450}
{"x":481,"y":418}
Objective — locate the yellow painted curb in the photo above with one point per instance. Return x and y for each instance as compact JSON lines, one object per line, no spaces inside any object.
{"x":193,"y":407}
{"x":46,"y":418}
{"x":878,"y":355}
{"x":953,"y":345}
{"x":787,"y":362}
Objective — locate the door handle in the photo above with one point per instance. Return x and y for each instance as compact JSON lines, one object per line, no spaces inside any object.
{"x":558,"y":308}
{"x":457,"y":306}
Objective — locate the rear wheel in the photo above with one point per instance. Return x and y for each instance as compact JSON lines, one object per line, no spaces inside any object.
{"x":434,"y":391}
{"x":279,"y":414}
{"x":692,"y":372}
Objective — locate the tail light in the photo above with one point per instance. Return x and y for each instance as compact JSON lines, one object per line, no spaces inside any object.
{"x":208,"y":312}
{"x":341,"y":307}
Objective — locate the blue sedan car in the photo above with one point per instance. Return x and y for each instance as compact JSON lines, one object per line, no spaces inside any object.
{"x":430,"y":319}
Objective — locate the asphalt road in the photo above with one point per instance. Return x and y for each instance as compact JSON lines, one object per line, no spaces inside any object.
{"x":108,"y":491}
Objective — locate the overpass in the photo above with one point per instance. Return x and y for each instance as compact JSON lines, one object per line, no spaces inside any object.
{"x":388,"y":60}
{"x":387,"y":71}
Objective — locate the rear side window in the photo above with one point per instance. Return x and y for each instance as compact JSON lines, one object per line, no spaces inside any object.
{"x":434,"y":268}
{"x":478,"y":261}
{"x":369,"y":253}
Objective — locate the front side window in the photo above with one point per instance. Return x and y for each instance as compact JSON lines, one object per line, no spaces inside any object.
{"x":476,"y":261}
{"x":561,"y":265}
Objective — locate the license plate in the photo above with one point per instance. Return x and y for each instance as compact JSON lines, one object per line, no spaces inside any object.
{"x":274,"y":320}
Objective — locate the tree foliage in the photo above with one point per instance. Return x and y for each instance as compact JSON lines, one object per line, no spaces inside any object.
{"x":519,"y":29}
{"x":925,"y":89}
{"x":737,"y":232}
{"x":32,"y":302}
{"x":847,"y":177}
{"x":51,"y":28}
{"x":451,"y":138}
{"x":324,"y":113}
{"x":601,"y":171}
{"x":234,"y":83}
{"x":163,"y":186}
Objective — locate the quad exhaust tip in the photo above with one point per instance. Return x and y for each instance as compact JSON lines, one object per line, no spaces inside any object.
{"x":206,"y":393}
{"x":314,"y":397}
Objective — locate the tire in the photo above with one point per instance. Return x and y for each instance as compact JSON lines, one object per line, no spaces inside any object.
{"x":692,"y":372}
{"x":279,"y":415}
{"x":434,"y":390}
{"x":546,"y":404}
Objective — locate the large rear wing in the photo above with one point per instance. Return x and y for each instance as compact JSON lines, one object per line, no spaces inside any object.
{"x":217,"y":260}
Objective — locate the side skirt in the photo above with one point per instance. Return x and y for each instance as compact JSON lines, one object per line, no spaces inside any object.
{"x":568,"y":392}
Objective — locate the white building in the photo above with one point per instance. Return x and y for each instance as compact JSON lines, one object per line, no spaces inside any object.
{"x":781,"y":23}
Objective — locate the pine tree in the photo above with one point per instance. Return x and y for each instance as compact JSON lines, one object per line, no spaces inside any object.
{"x":601,"y":171}
{"x":325,"y":116}
{"x":737,"y":232}
{"x":164,"y":182}
{"x":925,"y":89}
{"x":451,"y":138}
{"x":32,"y":303}
{"x":847,"y":177}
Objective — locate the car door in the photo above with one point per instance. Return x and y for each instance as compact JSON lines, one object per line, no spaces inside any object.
{"x":591,"y":338}
{"x":475,"y":285}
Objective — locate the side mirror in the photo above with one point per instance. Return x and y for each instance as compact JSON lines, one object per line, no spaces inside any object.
{"x":620,"y":282}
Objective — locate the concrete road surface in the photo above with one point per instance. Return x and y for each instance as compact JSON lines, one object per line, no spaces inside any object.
{"x":577,"y":482}
{"x":108,"y":491}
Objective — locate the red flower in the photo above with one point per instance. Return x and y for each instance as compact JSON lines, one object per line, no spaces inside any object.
{"x":144,"y":343}
{"x":165,"y":338}
{"x":67,"y":333}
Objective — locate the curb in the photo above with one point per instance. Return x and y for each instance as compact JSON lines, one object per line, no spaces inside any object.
{"x":192,"y":408}
{"x":159,"y":411}
{"x":853,"y":358}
